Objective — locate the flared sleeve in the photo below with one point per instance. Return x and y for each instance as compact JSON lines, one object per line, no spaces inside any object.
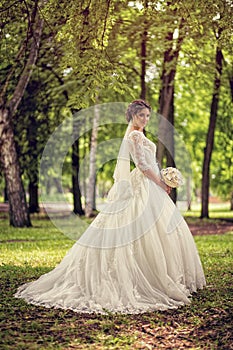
{"x":137,"y":150}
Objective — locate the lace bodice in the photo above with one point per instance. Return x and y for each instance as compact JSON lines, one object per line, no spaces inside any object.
{"x":142,"y":151}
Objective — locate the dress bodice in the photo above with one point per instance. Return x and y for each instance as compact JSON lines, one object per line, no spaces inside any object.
{"x":143,"y":151}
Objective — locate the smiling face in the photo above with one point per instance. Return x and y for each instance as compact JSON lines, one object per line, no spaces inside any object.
{"x":141,"y":119}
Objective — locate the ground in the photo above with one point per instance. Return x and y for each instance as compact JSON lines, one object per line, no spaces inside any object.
{"x":206,"y":323}
{"x":200,"y":227}
{"x":197,"y":226}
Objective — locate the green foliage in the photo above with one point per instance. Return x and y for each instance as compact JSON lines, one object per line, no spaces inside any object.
{"x":15,"y":34}
{"x":87,"y":60}
{"x":222,"y":164}
{"x":90,"y":50}
{"x":194,"y":87}
{"x":28,"y":253}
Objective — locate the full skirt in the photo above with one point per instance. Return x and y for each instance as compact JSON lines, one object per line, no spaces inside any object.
{"x":138,"y":255}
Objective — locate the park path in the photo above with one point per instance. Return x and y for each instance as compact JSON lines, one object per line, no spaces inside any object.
{"x":198,"y":228}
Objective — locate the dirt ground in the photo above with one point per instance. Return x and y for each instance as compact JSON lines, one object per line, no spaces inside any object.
{"x":197,"y":226}
{"x":201,"y":227}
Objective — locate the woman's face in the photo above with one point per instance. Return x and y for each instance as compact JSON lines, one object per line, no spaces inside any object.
{"x":141,"y":119}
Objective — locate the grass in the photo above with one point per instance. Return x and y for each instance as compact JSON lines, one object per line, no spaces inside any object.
{"x":216,"y":211}
{"x":25,"y":254}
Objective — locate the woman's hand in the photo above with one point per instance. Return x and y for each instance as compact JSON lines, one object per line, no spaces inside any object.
{"x":157,"y":179}
{"x":168,"y":190}
{"x":165,"y":187}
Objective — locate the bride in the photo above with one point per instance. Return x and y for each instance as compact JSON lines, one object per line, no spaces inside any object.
{"x":138,"y":254}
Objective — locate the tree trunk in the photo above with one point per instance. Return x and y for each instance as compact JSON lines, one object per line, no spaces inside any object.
{"x":170,"y":155}
{"x":28,"y":69}
{"x":77,"y":203}
{"x":75,"y":171}
{"x":33,"y":170}
{"x":5,"y":195}
{"x":33,"y":197}
{"x":143,"y":57}
{"x":18,"y":213}
{"x":210,"y":135}
{"x":143,"y":67}
{"x":19,"y":216}
{"x":85,"y":166}
{"x":189,"y":193}
{"x":167,"y":87}
{"x":92,"y":169}
{"x":94,"y":196}
{"x":231,"y":89}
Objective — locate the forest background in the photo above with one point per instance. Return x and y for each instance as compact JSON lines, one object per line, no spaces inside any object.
{"x":59,"y":58}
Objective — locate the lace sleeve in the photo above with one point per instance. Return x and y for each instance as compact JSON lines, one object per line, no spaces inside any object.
{"x":137,"y":150}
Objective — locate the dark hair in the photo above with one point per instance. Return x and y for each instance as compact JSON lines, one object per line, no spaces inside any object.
{"x":134,"y":107}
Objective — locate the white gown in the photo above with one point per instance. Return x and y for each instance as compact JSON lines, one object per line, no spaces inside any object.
{"x":137,"y":255}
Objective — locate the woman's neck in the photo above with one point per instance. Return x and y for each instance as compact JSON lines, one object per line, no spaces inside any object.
{"x":137,"y":128}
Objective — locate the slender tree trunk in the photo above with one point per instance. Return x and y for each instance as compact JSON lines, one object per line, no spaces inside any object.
{"x":94,"y":196}
{"x":92,"y":169}
{"x":143,"y":67}
{"x":143,"y":57}
{"x":33,"y":171}
{"x":19,"y":216}
{"x":231,"y":89}
{"x":210,"y":135}
{"x":189,"y":192}
{"x":33,"y":196}
{"x":167,"y":87}
{"x":75,"y":171}
{"x":5,"y":195}
{"x":85,"y":166}
{"x":231,"y":86}
{"x":170,"y":155}
{"x":77,"y":203}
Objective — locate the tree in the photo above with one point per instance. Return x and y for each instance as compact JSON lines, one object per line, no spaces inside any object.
{"x":166,"y":96}
{"x":220,"y":26}
{"x":210,"y":134}
{"x":92,"y":168}
{"x":221,"y":169}
{"x":144,"y":35}
{"x":75,"y":170}
{"x":9,"y":103}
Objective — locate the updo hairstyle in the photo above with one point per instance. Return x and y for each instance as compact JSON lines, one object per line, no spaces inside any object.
{"x":135,"y":107}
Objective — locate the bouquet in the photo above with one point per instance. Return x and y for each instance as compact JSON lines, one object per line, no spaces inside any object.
{"x":172,"y":177}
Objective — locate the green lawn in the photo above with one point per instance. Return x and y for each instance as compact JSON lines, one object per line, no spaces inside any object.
{"x":25,"y":254}
{"x":216,"y":211}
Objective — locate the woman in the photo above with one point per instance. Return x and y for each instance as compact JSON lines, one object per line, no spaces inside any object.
{"x":138,"y":254}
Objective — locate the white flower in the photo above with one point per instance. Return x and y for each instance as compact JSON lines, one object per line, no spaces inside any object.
{"x":172,"y":177}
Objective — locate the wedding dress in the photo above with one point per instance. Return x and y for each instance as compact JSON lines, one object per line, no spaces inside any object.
{"x":137,"y":255}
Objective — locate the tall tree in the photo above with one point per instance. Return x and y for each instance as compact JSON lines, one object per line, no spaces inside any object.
{"x":75,"y":170}
{"x":9,"y":103}
{"x":166,"y":105}
{"x":144,"y":35}
{"x":92,"y":168}
{"x":210,"y":135}
{"x":220,"y":27}
{"x":33,"y":174}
